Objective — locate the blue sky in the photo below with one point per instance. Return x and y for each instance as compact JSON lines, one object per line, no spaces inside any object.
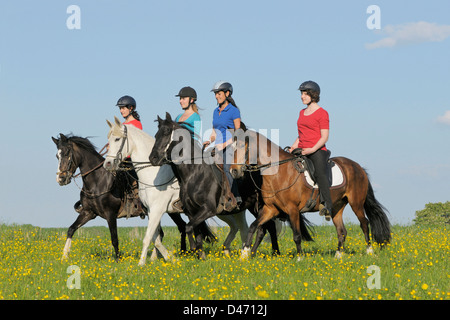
{"x":385,"y":89}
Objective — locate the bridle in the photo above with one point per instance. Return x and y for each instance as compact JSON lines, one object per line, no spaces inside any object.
{"x":118,"y":158}
{"x":69,"y":170}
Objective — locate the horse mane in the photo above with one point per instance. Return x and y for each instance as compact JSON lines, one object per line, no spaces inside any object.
{"x":83,"y":143}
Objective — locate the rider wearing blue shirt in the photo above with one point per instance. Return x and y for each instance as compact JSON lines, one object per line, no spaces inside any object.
{"x":226,"y":116}
{"x":224,"y":120}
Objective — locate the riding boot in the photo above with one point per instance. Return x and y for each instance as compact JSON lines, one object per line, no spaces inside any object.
{"x":233,"y":199}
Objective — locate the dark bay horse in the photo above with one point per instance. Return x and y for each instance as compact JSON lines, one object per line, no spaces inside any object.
{"x":285,"y":190}
{"x":102,"y":192}
{"x":200,"y":188}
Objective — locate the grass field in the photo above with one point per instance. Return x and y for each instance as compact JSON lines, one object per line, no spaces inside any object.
{"x":414,"y":266}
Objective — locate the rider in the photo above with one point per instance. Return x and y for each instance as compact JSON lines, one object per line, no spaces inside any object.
{"x":133,"y":205}
{"x":128,"y":111}
{"x":313,"y":130}
{"x":226,"y":116}
{"x":190,"y":118}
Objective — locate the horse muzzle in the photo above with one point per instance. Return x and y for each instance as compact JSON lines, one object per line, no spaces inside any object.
{"x":237,"y":172}
{"x":157,"y":161}
{"x":63,"y":178}
{"x":110,"y":164}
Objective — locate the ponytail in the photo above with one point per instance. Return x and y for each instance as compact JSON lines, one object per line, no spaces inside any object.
{"x":194,"y":107}
{"x":135,"y":114}
{"x":231,"y":100}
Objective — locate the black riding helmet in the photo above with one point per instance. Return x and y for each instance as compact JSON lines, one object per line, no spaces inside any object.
{"x":309,"y":85}
{"x":187,"y":92}
{"x":126,"y":101}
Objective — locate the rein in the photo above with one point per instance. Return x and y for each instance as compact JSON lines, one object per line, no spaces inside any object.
{"x":144,"y":164}
{"x":253,"y":168}
{"x":86,"y":173}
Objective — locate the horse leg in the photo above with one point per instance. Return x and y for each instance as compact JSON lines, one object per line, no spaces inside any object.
{"x":157,"y":239}
{"x":260,"y":233}
{"x":232,"y":223}
{"x":193,"y":227}
{"x":112,"y":224}
{"x":81,"y":220}
{"x":242,"y":225}
{"x":294,"y":219}
{"x":358,"y":209}
{"x":154,"y":218}
{"x":271,"y":227}
{"x":341,"y":231}
{"x":265,"y":214}
{"x":181,"y":224}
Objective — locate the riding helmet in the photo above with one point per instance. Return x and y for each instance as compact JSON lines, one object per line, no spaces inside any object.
{"x":126,"y":101}
{"x":222,"y":86}
{"x":309,"y":85}
{"x":187,"y":92}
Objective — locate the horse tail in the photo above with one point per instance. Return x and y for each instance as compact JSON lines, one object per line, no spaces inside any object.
{"x":378,"y":220}
{"x":306,"y":228}
{"x":208,"y":235}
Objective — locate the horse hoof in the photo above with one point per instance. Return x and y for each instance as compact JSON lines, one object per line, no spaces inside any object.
{"x":339,"y":255}
{"x":245,"y":253}
{"x":300,"y":258}
{"x":226,"y":253}
{"x":141,"y":263}
{"x":369,"y":250}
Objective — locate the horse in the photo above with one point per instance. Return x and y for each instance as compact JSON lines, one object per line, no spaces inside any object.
{"x":285,"y":190}
{"x":102,"y":192}
{"x":158,"y":186}
{"x":201,"y":188}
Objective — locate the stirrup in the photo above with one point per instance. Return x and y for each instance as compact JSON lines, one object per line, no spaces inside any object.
{"x":323,"y":211}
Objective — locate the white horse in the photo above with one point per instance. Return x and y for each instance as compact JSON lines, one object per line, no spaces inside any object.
{"x":158,"y":187}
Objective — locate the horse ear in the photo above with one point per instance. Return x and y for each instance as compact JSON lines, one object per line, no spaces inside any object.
{"x":117,"y":121}
{"x":62,"y":137}
{"x":109,"y":123}
{"x":168,"y":116}
{"x":56,"y":141}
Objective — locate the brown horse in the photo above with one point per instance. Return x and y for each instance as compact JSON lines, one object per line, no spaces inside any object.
{"x":285,"y":190}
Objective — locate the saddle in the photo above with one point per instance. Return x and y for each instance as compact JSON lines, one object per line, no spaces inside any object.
{"x":309,"y":165}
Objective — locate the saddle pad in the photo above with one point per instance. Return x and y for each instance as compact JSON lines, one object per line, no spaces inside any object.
{"x":337,"y":177}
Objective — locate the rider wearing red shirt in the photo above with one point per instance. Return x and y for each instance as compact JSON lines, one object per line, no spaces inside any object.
{"x":133,"y":205}
{"x":313,"y":126}
{"x":127,"y":107}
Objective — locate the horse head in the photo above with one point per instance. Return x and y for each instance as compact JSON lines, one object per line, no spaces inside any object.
{"x":65,"y":156}
{"x":167,"y":137}
{"x":252,"y":151}
{"x":118,"y":146}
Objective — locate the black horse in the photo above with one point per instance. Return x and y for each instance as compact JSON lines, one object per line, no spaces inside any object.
{"x":201,"y":187}
{"x":102,"y":193}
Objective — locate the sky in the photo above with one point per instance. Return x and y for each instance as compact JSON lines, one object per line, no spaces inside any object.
{"x":383,"y":67}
